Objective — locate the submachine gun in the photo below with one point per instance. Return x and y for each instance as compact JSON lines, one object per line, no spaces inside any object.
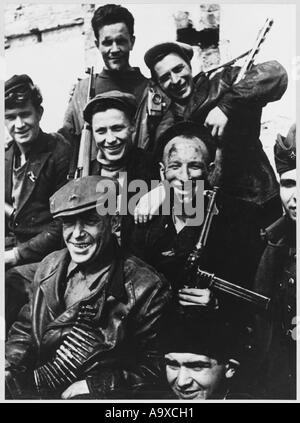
{"x":195,"y":277}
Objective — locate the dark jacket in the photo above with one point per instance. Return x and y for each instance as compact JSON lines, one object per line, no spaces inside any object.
{"x":127,"y":327}
{"x":139,"y":166}
{"x":276,"y":330}
{"x":247,"y":173}
{"x":33,"y":230}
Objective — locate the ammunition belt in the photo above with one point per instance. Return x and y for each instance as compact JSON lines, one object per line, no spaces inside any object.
{"x":72,"y":355}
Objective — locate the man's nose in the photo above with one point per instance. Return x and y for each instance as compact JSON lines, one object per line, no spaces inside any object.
{"x":78,"y":229}
{"x":110,"y":137}
{"x":115,"y":47}
{"x":184,"y":377}
{"x":175,"y":78}
{"x":184,"y":174}
{"x":19,"y":122}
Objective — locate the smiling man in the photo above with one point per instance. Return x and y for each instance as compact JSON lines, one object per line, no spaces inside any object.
{"x":113,"y":27}
{"x":202,"y":356}
{"x":232,"y":113}
{"x":111,"y":116}
{"x":36,"y":165}
{"x":92,"y":326}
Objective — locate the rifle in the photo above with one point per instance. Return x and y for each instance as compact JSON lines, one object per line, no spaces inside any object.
{"x":196,"y":277}
{"x":82,"y":152}
{"x":241,"y":75}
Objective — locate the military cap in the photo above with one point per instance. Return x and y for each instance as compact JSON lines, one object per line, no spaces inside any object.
{"x":110,"y":99}
{"x":159,"y":51}
{"x":285,"y":151}
{"x":204,"y":333}
{"x":186,"y":128}
{"x":18,"y":83}
{"x":82,"y":194}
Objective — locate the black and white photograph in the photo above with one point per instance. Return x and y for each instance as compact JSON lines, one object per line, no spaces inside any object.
{"x":150,"y":202}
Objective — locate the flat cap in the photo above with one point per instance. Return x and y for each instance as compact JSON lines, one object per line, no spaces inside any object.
{"x":82,"y":194}
{"x":113,"y":99}
{"x":159,"y":51}
{"x":285,"y":151}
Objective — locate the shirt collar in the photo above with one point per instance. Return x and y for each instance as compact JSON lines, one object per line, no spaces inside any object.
{"x":115,"y":277}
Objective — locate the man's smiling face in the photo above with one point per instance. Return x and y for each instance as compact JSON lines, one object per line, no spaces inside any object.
{"x":115,"y":44}
{"x":184,"y":160}
{"x":86,"y":235}
{"x":112,"y":132}
{"x":194,"y":376}
{"x":174,"y":76}
{"x":23,"y":122}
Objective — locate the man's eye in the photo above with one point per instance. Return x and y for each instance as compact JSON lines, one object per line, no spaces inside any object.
{"x":164,"y":79}
{"x":68,"y":222}
{"x":288,"y":183}
{"x":178,"y":69}
{"x":118,"y":128}
{"x":106,"y":43}
{"x":173,"y":366}
{"x":100,"y":131}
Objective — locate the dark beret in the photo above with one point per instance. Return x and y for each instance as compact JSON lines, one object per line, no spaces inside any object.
{"x":186,"y":128}
{"x":111,"y":99}
{"x":18,"y":83}
{"x":159,"y":51}
{"x":285,"y":151}
{"x":82,"y":194}
{"x":203,"y":333}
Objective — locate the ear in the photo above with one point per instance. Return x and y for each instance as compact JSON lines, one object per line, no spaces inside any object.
{"x":211,"y":167}
{"x":115,"y":223}
{"x":231,"y":368}
{"x":40,"y":112}
{"x":132,"y":41}
{"x":162,"y":171}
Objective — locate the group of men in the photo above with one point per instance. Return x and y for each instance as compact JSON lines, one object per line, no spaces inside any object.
{"x":103,"y":304}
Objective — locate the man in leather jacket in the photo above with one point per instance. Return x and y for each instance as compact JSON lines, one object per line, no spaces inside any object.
{"x":36,"y":165}
{"x":93,"y":324}
{"x":232,"y":112}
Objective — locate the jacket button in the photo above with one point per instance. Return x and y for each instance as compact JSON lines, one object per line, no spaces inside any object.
{"x":289,"y":308}
{"x":291,"y":281}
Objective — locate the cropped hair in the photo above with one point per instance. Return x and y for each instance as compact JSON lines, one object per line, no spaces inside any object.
{"x":111,"y":14}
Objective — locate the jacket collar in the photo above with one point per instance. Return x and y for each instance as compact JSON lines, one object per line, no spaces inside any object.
{"x":38,"y":155}
{"x":53,"y":285}
{"x":281,"y":232}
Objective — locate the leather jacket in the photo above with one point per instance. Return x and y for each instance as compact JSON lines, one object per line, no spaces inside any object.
{"x":127,"y":327}
{"x":247,"y":173}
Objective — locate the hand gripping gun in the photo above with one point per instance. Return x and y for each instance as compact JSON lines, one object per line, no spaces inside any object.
{"x":198,"y":278}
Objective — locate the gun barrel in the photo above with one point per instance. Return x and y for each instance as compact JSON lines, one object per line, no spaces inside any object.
{"x":238,"y":291}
